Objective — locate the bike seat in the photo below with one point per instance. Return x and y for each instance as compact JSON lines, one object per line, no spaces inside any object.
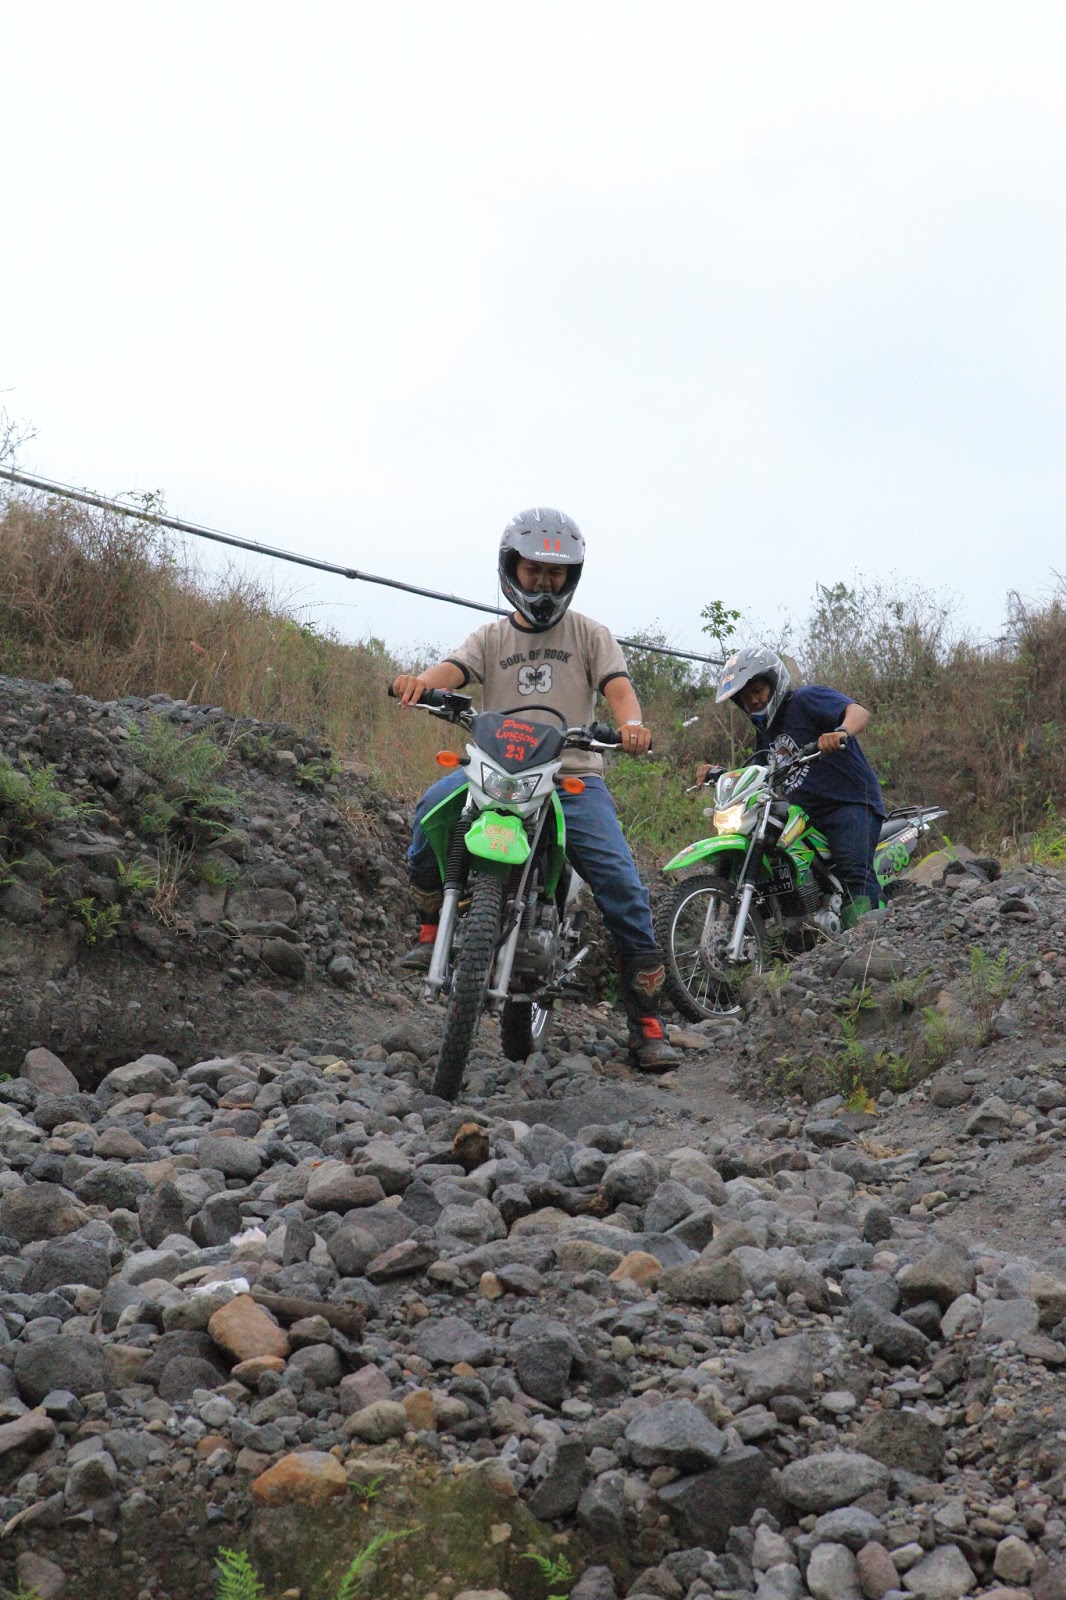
{"x":895,"y":825}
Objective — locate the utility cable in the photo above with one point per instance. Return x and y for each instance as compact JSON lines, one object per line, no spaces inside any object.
{"x":158,"y":519}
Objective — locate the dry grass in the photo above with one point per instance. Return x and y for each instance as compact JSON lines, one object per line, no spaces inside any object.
{"x":118,"y":608}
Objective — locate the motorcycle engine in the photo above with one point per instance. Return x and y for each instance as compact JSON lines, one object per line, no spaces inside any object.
{"x":537,"y":946}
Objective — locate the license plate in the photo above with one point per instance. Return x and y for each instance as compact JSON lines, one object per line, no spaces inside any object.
{"x":781,"y":879}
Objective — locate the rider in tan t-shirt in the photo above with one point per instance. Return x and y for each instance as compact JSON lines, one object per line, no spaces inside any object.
{"x":545,"y":656}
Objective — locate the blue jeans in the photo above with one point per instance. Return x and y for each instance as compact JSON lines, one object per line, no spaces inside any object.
{"x":595,"y":846}
{"x":852,"y":832}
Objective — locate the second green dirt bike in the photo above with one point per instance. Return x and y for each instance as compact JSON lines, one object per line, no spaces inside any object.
{"x":762,"y":884}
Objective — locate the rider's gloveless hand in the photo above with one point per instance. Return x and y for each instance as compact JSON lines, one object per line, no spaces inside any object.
{"x":408,"y":688}
{"x":636,"y":739}
{"x":828,"y":742}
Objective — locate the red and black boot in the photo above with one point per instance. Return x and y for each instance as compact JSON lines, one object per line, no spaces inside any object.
{"x":642,"y":979}
{"x":428,"y":903}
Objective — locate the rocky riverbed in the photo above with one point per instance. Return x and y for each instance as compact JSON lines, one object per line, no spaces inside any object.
{"x":734,"y":1332}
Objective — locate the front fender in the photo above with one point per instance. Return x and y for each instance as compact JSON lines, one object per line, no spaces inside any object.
{"x":703,"y":849}
{"x":498,"y":837}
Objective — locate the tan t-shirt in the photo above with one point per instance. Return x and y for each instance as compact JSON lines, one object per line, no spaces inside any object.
{"x":564,"y":667}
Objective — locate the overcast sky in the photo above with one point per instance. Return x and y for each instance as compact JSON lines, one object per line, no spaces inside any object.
{"x":761,"y":295}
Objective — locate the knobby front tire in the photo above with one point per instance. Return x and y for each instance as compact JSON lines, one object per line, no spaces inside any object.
{"x":699,"y":987}
{"x":481,"y":930}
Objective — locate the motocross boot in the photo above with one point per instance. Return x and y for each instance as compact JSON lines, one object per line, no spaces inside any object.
{"x":641,"y":979}
{"x":427,"y":903}
{"x":859,"y":906}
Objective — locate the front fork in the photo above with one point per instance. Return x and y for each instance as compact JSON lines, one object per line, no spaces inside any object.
{"x":735,"y":949}
{"x":736,"y":943}
{"x":454,"y":883}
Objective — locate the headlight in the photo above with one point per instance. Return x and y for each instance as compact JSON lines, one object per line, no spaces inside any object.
{"x":501,"y":787}
{"x":730,"y":820}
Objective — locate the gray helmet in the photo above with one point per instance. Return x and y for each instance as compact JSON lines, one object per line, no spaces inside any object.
{"x":541,"y":535}
{"x":755,"y":661}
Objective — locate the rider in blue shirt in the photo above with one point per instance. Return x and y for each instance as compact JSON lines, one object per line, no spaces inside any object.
{"x":840,"y":793}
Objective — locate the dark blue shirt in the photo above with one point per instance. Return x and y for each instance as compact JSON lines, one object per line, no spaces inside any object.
{"x":844,"y":777}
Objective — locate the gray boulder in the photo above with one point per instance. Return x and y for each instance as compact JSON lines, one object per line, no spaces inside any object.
{"x":836,"y":1478}
{"x":450,"y":1339}
{"x":706,"y":1507}
{"x":61,"y":1361}
{"x":674,"y":1434}
{"x":40,"y":1211}
{"x":942,"y":1274}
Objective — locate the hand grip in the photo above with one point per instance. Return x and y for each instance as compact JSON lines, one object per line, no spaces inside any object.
{"x":428,"y":697}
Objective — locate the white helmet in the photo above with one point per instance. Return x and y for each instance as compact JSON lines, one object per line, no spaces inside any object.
{"x":755,"y":661}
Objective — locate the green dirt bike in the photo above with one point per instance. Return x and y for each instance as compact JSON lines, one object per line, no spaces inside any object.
{"x":510,"y":933}
{"x":771,"y":888}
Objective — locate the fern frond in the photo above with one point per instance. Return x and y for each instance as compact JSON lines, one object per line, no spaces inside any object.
{"x":237,"y":1578}
{"x":361,"y":1560}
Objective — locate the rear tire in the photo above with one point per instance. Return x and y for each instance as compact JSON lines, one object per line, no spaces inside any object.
{"x":481,"y":930}
{"x":699,"y":983}
{"x":524,"y":1027}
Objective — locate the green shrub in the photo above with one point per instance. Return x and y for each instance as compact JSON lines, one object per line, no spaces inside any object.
{"x":557,"y":1572}
{"x":100,"y":921}
{"x":990,"y":981}
{"x":31,"y":800}
{"x":184,"y":770}
{"x":941,"y":1036}
{"x":656,"y":814}
{"x":238,"y":1579}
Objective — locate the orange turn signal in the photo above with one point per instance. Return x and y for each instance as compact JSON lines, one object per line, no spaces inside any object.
{"x":447,"y":758}
{"x":571,"y":785}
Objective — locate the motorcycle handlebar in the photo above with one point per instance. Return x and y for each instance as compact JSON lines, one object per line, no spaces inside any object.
{"x":809,"y":751}
{"x":600,"y":735}
{"x":428,"y":697}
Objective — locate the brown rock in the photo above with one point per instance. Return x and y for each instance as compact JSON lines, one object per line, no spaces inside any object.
{"x":586,"y":1255}
{"x":253,"y":1462}
{"x":1049,"y":1578}
{"x":641,"y":1267}
{"x":410,"y":1255}
{"x":31,"y":1433}
{"x":382,"y":1420}
{"x":118,"y":1144}
{"x":705,"y":1283}
{"x":47,"y":1073}
{"x":335,"y":1187}
{"x":40,"y":1577}
{"x":421,"y":1412}
{"x":307,"y":1478}
{"x":362,"y":1388}
{"x":876,"y":1571}
{"x":210,"y":1443}
{"x":1038,"y":1347}
{"x":40,"y":1211}
{"x":471,"y":1147}
{"x":246,"y":1331}
{"x":250,"y":1372}
{"x":729,"y":1237}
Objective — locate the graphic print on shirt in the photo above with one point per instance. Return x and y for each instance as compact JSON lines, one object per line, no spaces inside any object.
{"x":535,"y":680}
{"x":784,"y":748}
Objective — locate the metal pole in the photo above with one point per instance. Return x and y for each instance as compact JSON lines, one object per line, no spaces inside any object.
{"x":157,"y":519}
